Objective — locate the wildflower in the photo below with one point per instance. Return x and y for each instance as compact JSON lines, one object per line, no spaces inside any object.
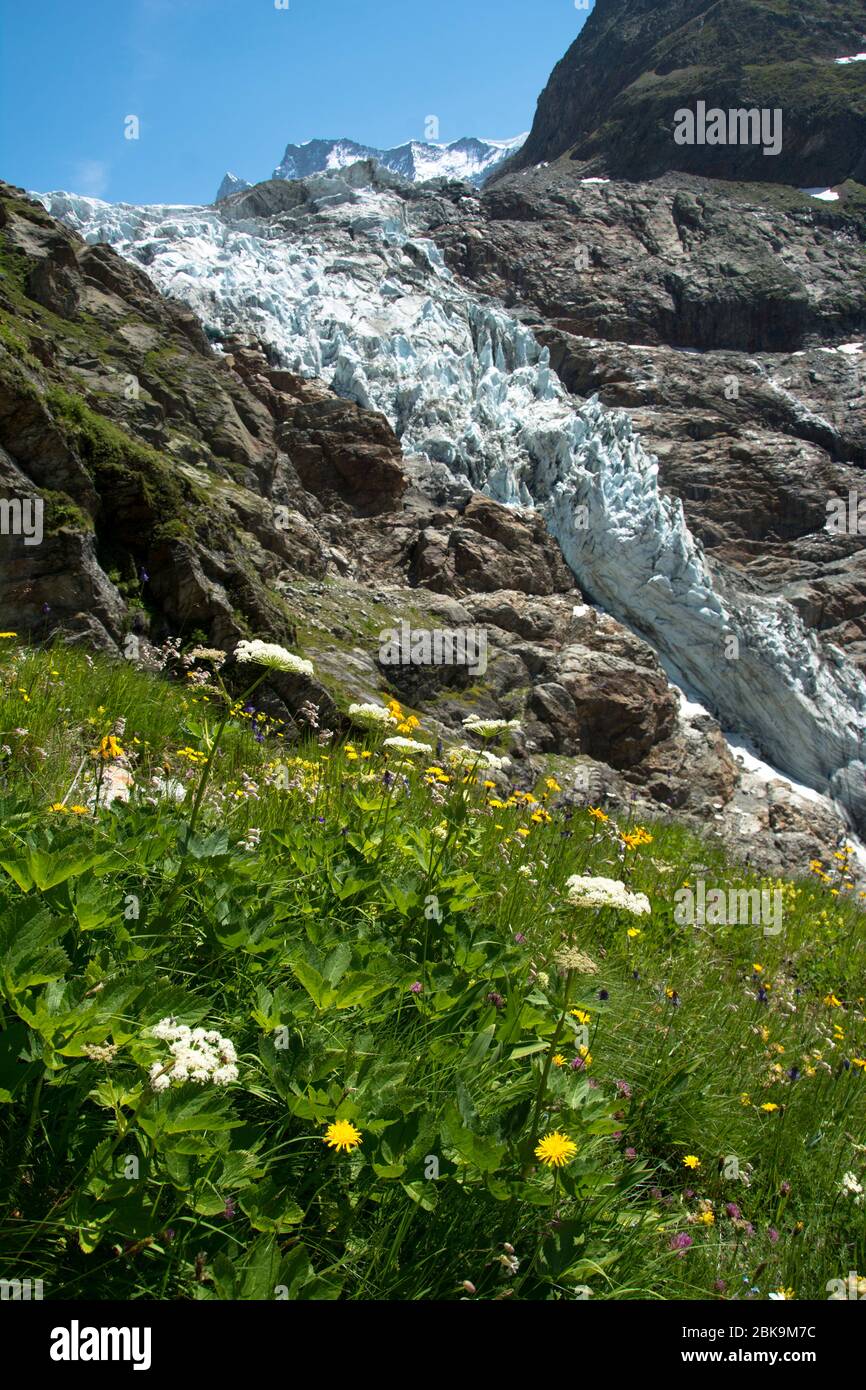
{"x":692,"y":1161}
{"x":8,"y":634}
{"x":416,"y":988}
{"x":100,"y":1053}
{"x":197,"y":1054}
{"x":623,"y":1089}
{"x":496,"y":1000}
{"x":832,"y":1002}
{"x":633,"y":932}
{"x":850,"y":1186}
{"x":631,"y":1154}
{"x":572,"y":958}
{"x":79,"y":810}
{"x":407,"y":745}
{"x":769,"y":1106}
{"x":109,"y":748}
{"x":342,"y":1135}
{"x":773,"y":1235}
{"x":681,"y":1241}
{"x":273,"y":658}
{"x":555,"y":1150}
{"x":597,"y":813}
{"x":58,"y":806}
{"x":558,"y":1060}
{"x":211,"y":654}
{"x":371,"y":716}
{"x":581,"y":1015}
{"x":782,"y":1294}
{"x":586,"y":891}
{"x":733,"y":1211}
{"x":489,"y":728}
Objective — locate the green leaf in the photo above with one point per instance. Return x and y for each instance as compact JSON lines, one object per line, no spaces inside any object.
{"x":28,"y":953}
{"x":270,"y":1208}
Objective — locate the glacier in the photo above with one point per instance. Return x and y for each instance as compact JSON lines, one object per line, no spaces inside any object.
{"x":348,"y":289}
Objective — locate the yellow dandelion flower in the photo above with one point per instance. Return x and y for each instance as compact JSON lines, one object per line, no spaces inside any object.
{"x":581,"y":1015}
{"x":555,"y":1150}
{"x":342,"y":1135}
{"x":559,"y":1060}
{"x":58,"y":806}
{"x":633,"y":932}
{"x":692,"y":1161}
{"x":769,"y":1106}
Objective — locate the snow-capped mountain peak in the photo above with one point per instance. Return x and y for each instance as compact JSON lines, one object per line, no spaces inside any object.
{"x":468,"y":158}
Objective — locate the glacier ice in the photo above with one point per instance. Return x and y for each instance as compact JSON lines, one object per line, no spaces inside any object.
{"x":356,"y":295}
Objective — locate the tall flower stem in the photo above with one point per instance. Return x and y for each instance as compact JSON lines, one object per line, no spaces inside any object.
{"x":206,"y":770}
{"x":548,"y":1062}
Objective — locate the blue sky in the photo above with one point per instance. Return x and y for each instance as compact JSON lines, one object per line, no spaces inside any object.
{"x":225,"y":84}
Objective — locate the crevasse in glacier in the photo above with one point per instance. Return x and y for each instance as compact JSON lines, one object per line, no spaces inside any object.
{"x":351,"y":294}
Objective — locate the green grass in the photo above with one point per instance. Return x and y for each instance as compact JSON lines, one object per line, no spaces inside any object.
{"x":368,"y":877}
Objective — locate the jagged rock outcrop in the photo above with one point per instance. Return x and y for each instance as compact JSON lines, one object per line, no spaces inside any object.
{"x":611,"y":100}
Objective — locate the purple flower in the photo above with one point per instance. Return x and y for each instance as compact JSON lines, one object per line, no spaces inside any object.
{"x":143,"y":575}
{"x":772,"y":1235}
{"x":46,"y":608}
{"x":785,"y":1188}
{"x":720,"y":1286}
{"x":519,"y":938}
{"x":733,"y":1211}
{"x":681,"y":1241}
{"x":603,"y":994}
{"x":689,"y":1193}
{"x":623,"y":1089}
{"x":229,"y":1209}
{"x":416,"y":988}
{"x":631,"y":1155}
{"x":578,"y":1064}
{"x":496,"y":1000}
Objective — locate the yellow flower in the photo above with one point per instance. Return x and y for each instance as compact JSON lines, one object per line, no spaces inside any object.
{"x":597,"y":813}
{"x":692,"y":1161}
{"x":707,"y":1217}
{"x":551,"y":783}
{"x":581,"y":1015}
{"x":559,"y":1060}
{"x":769,"y":1106}
{"x":58,"y":806}
{"x":633,"y":931}
{"x":786,"y":1294}
{"x":745,"y":1098}
{"x":8,"y":634}
{"x":758,"y":969}
{"x":555,"y":1150}
{"x":521,"y":831}
{"x":342,"y":1135}
{"x":832,"y":1002}
{"x":79,"y":810}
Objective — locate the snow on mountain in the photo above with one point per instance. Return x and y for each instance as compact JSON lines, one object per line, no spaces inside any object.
{"x":470,"y":159}
{"x":352,"y":295}
{"x":230,"y":184}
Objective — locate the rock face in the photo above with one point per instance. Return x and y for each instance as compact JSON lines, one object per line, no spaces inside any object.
{"x":193,"y":494}
{"x":610,"y":103}
{"x":729,"y":321}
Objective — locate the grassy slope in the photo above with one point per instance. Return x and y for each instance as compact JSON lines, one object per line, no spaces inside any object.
{"x":303,"y":951}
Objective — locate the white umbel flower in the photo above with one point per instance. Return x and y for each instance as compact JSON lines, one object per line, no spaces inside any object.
{"x":407,"y":745}
{"x":584,"y":891}
{"x":476,"y":757}
{"x":201,"y":1055}
{"x":275,"y":658}
{"x":372,"y":716}
{"x":489,"y":728}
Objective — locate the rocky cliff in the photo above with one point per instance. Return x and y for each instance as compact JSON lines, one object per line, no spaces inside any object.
{"x":611,"y":102}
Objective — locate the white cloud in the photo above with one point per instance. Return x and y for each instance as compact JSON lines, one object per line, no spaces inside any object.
{"x":90,"y":176}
